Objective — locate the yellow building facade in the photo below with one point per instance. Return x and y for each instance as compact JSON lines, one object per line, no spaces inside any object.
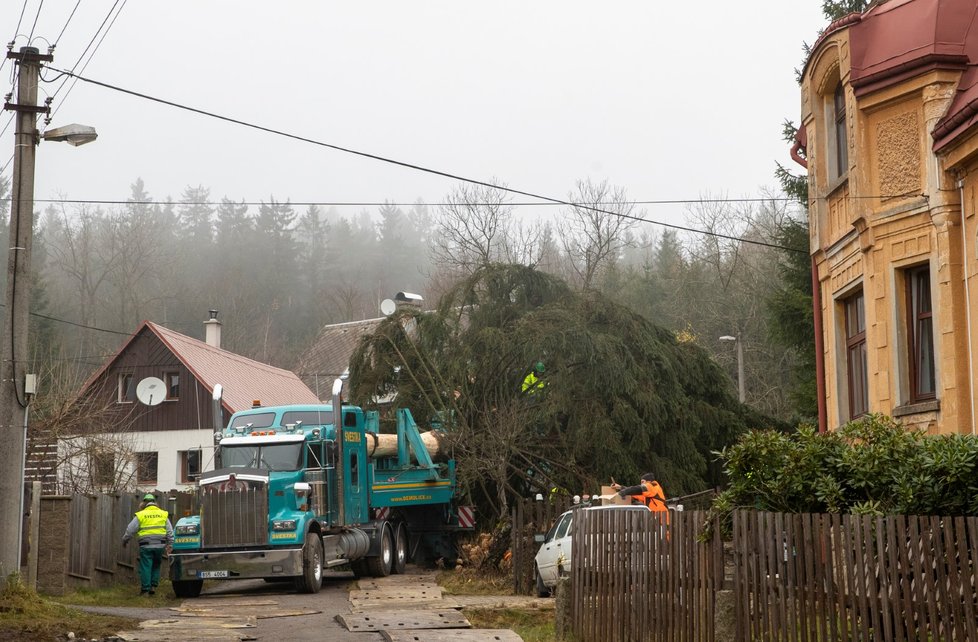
{"x":890,"y":139}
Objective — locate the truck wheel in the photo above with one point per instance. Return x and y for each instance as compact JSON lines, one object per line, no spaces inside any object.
{"x":380,"y":565}
{"x":400,"y":549}
{"x":311,"y":579}
{"x":542,"y":590}
{"x":187,"y":588}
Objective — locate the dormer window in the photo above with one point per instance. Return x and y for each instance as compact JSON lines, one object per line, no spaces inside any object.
{"x":839,"y":118}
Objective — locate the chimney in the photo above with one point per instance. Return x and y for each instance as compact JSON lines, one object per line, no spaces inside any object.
{"x":212,"y":330}
{"x":408,"y":300}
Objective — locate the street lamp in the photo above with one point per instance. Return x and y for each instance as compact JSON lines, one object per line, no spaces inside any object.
{"x":73,"y":134}
{"x":740,"y":365}
{"x":16,"y":386}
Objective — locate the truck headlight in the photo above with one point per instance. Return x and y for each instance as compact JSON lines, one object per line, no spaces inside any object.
{"x":187,"y":529}
{"x":283,"y":525}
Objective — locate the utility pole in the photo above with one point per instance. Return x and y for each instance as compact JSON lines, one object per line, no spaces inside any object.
{"x":13,"y":341}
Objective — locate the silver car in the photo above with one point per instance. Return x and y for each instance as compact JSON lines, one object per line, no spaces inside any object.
{"x":554,"y":557}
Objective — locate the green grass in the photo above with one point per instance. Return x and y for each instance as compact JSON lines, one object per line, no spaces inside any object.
{"x":532,"y":625}
{"x":122,"y":595}
{"x":469,"y":581}
{"x":27,"y":616}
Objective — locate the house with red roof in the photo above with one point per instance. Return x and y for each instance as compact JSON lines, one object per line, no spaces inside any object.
{"x":146,"y":418}
{"x":889,"y":136}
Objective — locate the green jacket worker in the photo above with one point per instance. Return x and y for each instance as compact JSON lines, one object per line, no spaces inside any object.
{"x":152,"y":526}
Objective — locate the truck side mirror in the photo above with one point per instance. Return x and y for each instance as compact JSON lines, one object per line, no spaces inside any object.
{"x":539,"y":538}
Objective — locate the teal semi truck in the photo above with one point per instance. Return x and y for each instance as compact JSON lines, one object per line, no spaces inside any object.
{"x":300,"y":488}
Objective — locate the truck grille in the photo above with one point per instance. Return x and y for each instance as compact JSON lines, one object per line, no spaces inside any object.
{"x":238,"y":518}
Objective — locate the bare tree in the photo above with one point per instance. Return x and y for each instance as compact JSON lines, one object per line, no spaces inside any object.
{"x":475,"y":227}
{"x":594,"y":232}
{"x":73,"y":436}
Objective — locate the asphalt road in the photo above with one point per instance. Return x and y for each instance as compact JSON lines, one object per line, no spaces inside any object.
{"x":332,"y":600}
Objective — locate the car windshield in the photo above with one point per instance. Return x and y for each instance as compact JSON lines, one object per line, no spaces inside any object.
{"x":267,"y":456}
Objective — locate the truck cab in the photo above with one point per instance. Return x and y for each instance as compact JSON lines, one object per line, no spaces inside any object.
{"x":294,"y":491}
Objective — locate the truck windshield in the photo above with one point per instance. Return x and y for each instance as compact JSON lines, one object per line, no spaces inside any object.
{"x":267,"y":456}
{"x":257,"y":420}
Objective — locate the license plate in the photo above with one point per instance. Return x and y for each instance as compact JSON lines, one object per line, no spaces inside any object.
{"x":212,"y":574}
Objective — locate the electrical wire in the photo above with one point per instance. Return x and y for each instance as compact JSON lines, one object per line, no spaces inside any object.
{"x":72,"y":15}
{"x":678,"y":201}
{"x":37,"y":15}
{"x":16,"y":32}
{"x":78,"y":325}
{"x":87,"y":47}
{"x":419,"y":168}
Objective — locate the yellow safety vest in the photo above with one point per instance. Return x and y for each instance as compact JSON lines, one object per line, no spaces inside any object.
{"x":532,"y":383}
{"x":152,"y":521}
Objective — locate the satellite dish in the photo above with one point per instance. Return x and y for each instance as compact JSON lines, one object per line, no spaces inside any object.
{"x":151,"y":391}
{"x":388,"y":307}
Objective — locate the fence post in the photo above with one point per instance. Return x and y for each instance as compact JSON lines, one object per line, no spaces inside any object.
{"x":33,"y":532}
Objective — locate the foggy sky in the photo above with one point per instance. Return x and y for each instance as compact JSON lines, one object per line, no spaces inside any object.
{"x":670,"y":100}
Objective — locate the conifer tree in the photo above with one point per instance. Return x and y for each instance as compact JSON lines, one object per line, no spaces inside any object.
{"x":621,"y":396}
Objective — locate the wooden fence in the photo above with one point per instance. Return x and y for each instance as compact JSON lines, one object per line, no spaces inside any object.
{"x":636,"y":576}
{"x":77,"y":539}
{"x":788,"y":578}
{"x":846,"y":577}
{"x":531,"y":517}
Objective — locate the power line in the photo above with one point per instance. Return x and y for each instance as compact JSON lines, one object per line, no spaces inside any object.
{"x":683,"y":201}
{"x":415,"y":167}
{"x":37,"y":15}
{"x":72,"y":15}
{"x":78,"y":325}
{"x":82,"y":56}
{"x":79,"y":201}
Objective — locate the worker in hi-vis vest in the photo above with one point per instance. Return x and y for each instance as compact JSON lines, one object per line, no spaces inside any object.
{"x":534,"y":382}
{"x":152,"y":525}
{"x":648,"y":491}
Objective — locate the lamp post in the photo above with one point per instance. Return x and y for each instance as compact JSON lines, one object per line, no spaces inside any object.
{"x":16,"y":386}
{"x":740,"y":365}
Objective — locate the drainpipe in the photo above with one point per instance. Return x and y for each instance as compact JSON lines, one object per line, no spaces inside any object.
{"x":823,"y":420}
{"x":967,"y":303}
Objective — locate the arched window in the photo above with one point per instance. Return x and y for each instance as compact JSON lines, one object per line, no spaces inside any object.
{"x":839,"y":116}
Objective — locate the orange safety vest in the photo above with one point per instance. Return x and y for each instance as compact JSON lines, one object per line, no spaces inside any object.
{"x":652,"y":496}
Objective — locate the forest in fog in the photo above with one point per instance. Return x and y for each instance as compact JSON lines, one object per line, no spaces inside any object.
{"x":278,"y":271}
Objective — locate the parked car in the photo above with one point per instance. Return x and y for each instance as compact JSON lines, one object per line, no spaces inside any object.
{"x":554,"y":557}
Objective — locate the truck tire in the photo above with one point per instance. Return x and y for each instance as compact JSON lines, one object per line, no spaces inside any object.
{"x":400,"y":549}
{"x":311,"y":579}
{"x":187,"y":588}
{"x":380,"y":565}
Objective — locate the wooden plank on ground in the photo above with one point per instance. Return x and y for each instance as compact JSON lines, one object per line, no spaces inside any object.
{"x":401,"y":620}
{"x":358,"y":606}
{"x":403,"y":592}
{"x":401,"y":580}
{"x":375,"y":584}
{"x":184,"y":629}
{"x":453,"y":635}
{"x":261,"y":614}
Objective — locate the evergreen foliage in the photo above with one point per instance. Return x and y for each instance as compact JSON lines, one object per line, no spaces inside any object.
{"x":622,"y":396}
{"x":872,"y":465}
{"x":835,"y":9}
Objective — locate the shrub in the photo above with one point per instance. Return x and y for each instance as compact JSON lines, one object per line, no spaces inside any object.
{"x":873,"y":465}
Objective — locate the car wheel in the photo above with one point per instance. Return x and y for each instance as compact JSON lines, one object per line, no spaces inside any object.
{"x":542,"y":590}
